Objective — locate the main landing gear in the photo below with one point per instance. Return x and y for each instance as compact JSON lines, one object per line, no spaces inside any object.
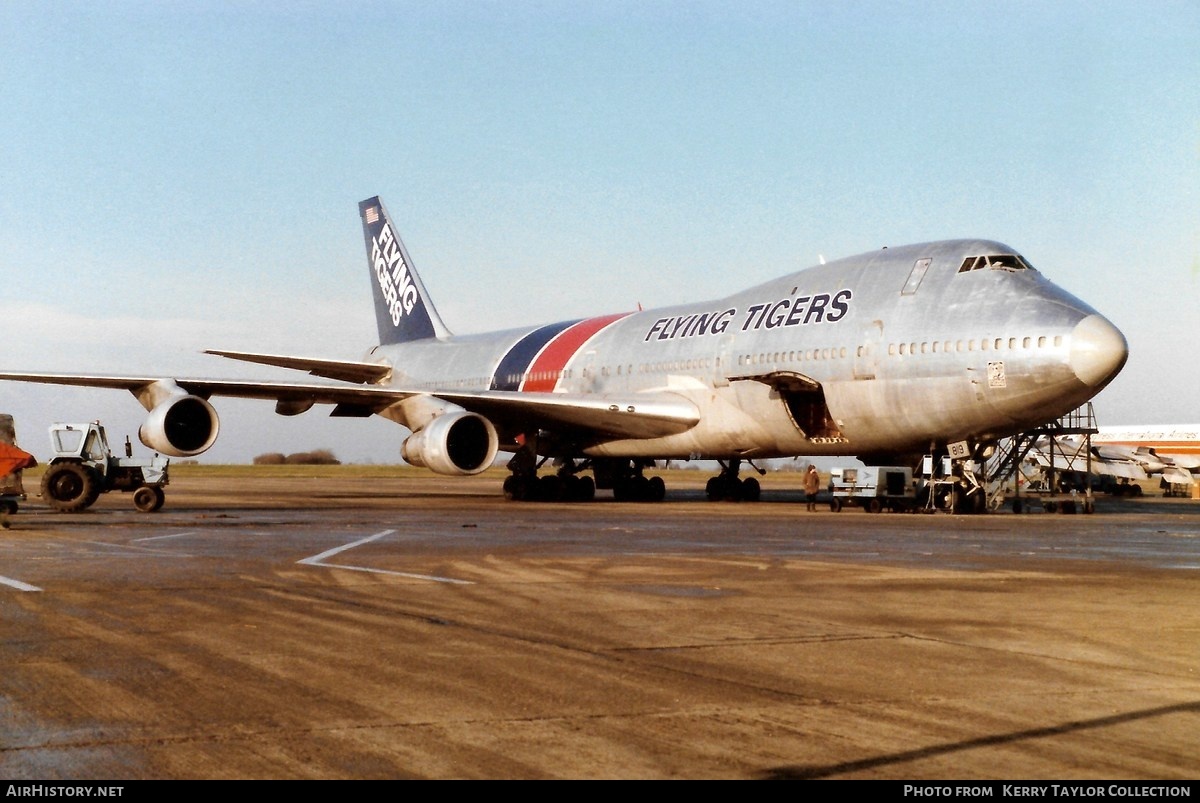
{"x":726,"y":485}
{"x":626,"y":478}
{"x":549,"y":488}
{"x":565,"y":485}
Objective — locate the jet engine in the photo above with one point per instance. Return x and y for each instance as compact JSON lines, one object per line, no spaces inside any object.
{"x":180,"y":426}
{"x":453,"y":443}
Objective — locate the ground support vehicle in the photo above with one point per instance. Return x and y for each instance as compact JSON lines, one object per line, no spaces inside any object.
{"x":83,"y":467}
{"x":12,"y":462}
{"x":874,"y":488}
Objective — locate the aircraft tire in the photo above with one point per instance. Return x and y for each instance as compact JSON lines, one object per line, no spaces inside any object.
{"x":585,"y":489}
{"x":733,"y":489}
{"x":656,"y":491}
{"x":550,"y":488}
{"x":947,"y":500}
{"x":751,"y":489}
{"x":639,"y":489}
{"x":69,"y":487}
{"x":714,"y":489}
{"x":517,"y":489}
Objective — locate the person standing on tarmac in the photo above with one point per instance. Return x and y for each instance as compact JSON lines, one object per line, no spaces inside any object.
{"x":812,"y":485}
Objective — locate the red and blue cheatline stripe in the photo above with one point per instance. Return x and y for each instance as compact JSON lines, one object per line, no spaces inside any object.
{"x":535,"y":361}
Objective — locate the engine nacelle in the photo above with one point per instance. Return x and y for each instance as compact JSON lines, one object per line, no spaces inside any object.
{"x":453,"y":443}
{"x":181,"y":426}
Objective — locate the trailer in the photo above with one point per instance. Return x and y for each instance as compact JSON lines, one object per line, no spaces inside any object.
{"x":874,"y":488}
{"x":13,"y":461}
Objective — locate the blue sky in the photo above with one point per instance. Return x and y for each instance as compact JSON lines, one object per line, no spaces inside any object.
{"x":185,"y":175}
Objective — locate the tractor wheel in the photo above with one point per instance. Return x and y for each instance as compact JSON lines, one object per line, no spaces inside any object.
{"x":69,"y":487}
{"x":148,"y":498}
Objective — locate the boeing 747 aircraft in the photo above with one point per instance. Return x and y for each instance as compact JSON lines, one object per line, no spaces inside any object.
{"x":884,"y":356}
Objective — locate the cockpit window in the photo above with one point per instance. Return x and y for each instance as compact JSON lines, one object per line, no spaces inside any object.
{"x":1007,"y":262}
{"x":995,"y":262}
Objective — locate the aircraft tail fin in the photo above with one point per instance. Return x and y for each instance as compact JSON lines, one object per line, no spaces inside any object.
{"x":403,"y":310}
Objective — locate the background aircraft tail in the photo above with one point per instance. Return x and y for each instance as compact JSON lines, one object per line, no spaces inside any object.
{"x":402,"y":307}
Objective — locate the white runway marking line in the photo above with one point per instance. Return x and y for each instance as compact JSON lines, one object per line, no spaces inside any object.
{"x":162,"y":537}
{"x":139,"y":551}
{"x":319,"y":560}
{"x":17,"y":584}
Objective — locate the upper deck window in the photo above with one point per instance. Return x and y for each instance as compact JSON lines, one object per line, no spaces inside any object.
{"x":995,"y":262}
{"x":915,"y":276}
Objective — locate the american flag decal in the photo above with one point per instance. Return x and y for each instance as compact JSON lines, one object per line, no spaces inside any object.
{"x":373,"y":215}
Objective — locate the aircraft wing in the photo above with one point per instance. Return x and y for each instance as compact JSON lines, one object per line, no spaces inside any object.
{"x":1119,"y":468}
{"x":1190,"y":462}
{"x":1116,"y":460}
{"x":1149,"y":461}
{"x":1152,"y":460}
{"x":1077,"y":461}
{"x":634,"y":415}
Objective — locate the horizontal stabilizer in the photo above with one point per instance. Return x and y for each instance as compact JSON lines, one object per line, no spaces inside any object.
{"x":343,"y":370}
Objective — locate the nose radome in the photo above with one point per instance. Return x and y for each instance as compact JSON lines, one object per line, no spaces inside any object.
{"x":1098,"y":350}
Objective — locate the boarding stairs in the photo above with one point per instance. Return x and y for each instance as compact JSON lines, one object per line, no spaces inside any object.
{"x":1064,"y":445}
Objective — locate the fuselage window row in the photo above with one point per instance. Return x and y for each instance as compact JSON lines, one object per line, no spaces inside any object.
{"x":959,"y":346}
{"x":777,"y":358}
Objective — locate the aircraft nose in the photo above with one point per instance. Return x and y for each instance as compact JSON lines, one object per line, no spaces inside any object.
{"x":1098,"y":350}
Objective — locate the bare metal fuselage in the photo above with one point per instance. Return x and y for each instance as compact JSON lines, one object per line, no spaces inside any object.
{"x":880,"y":354}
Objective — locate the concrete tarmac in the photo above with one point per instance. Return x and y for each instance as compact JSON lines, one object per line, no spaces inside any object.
{"x":421,"y":627}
